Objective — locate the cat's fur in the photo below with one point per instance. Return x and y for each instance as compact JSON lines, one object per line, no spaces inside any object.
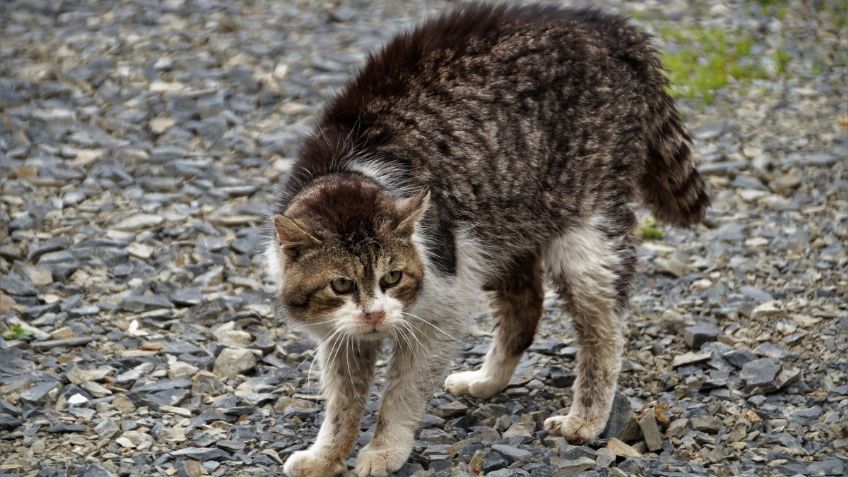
{"x":485,"y":150}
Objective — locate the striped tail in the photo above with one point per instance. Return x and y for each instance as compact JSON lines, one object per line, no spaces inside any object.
{"x":671,"y":185}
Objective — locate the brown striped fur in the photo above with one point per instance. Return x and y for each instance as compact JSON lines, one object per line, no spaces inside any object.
{"x":488,"y":148}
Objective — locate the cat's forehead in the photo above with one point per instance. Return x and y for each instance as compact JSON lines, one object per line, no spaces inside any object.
{"x":366,"y":254}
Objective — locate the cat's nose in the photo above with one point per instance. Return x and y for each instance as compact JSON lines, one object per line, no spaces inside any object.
{"x":374,"y":318}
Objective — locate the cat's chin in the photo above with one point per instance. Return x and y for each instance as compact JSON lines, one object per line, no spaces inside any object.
{"x":373,"y":335}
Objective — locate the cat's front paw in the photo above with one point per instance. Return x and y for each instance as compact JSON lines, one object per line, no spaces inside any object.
{"x":309,"y":463}
{"x":380,"y":461}
{"x":576,"y":430}
{"x":473,"y":383}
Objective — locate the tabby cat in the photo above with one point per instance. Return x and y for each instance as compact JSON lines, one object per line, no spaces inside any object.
{"x":489,"y":149}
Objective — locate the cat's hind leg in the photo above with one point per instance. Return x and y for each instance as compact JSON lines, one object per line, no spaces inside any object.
{"x":518,"y":297}
{"x":591,"y":267}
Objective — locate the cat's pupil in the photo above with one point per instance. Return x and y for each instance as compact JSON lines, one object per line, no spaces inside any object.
{"x":390,"y":279}
{"x":341,"y":285}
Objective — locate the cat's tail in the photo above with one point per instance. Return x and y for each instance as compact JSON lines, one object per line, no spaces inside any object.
{"x":670,"y":184}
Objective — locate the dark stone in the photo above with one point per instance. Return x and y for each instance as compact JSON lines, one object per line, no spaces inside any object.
{"x":206,"y":417}
{"x":512,"y":453}
{"x":33,"y":312}
{"x":739,"y":357}
{"x":411,"y":468}
{"x":756,"y":294}
{"x":182,"y":347}
{"x":716,"y":379}
{"x":568,"y":468}
{"x":170,"y":397}
{"x":785,"y":439}
{"x":245,"y":246}
{"x":15,"y":285}
{"x":8,"y":423}
{"x":697,"y":335}
{"x":549,"y":346}
{"x":436,"y":436}
{"x":632,"y":465}
{"x":561,"y":378}
{"x":494,"y":461}
{"x":12,"y":363}
{"x":826,"y":467}
{"x":83,"y":311}
{"x":97,"y":470}
{"x":9,"y":408}
{"x":571,"y":452}
{"x":38,"y":392}
{"x":202,"y":453}
{"x":231,"y":446}
{"x":792,"y":468}
{"x":510,"y":472}
{"x":451,"y":409}
{"x":760,"y":375}
{"x":770,"y":350}
{"x":744,"y":181}
{"x":161,"y":385}
{"x":622,"y":423}
{"x":732,"y":232}
{"x":49,"y":344}
{"x":709,"y":424}
{"x":187,"y":297}
{"x":650,"y":431}
{"x":65,"y":428}
{"x":805,"y":415}
{"x":52,"y":472}
{"x":442,"y":465}
{"x":138,"y":303}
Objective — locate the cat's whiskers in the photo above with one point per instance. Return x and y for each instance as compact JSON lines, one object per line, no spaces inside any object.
{"x":400,"y":334}
{"x":358,"y":352}
{"x":333,"y":351}
{"x":434,"y":326}
{"x":311,"y":360}
{"x":321,"y":347}
{"x":422,"y":354}
{"x":321,"y":322}
{"x":347,"y":347}
{"x":397,"y":335}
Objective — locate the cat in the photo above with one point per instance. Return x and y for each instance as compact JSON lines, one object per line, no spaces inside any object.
{"x":488,"y":149}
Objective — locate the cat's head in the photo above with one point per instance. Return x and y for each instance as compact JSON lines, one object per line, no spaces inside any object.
{"x":345,"y":257}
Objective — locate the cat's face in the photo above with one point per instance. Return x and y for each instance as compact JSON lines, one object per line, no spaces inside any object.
{"x":348,"y":261}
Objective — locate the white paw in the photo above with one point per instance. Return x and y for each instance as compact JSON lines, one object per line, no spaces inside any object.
{"x":309,"y":463}
{"x":380,"y":461}
{"x":473,"y":383}
{"x":576,"y":430}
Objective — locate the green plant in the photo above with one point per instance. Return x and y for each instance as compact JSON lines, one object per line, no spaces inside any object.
{"x":701,"y":61}
{"x":16,"y":332}
{"x":648,"y":228}
{"x":781,"y":59}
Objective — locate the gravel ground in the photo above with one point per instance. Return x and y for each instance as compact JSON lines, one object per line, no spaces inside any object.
{"x":141,"y":142}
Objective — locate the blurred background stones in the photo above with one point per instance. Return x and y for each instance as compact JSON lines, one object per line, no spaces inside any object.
{"x":140,"y":146}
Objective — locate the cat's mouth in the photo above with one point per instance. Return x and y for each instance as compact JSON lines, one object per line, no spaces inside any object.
{"x":373,"y":333}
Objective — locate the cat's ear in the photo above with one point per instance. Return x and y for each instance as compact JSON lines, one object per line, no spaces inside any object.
{"x":410,"y":211}
{"x":291,"y":234}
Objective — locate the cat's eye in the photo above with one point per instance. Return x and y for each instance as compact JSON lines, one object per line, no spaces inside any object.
{"x":390,"y":279}
{"x":342,"y":285}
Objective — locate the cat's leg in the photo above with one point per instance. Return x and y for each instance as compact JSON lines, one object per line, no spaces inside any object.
{"x":346,"y":374}
{"x":419,"y":362}
{"x":518,"y":297}
{"x":592,"y":267}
